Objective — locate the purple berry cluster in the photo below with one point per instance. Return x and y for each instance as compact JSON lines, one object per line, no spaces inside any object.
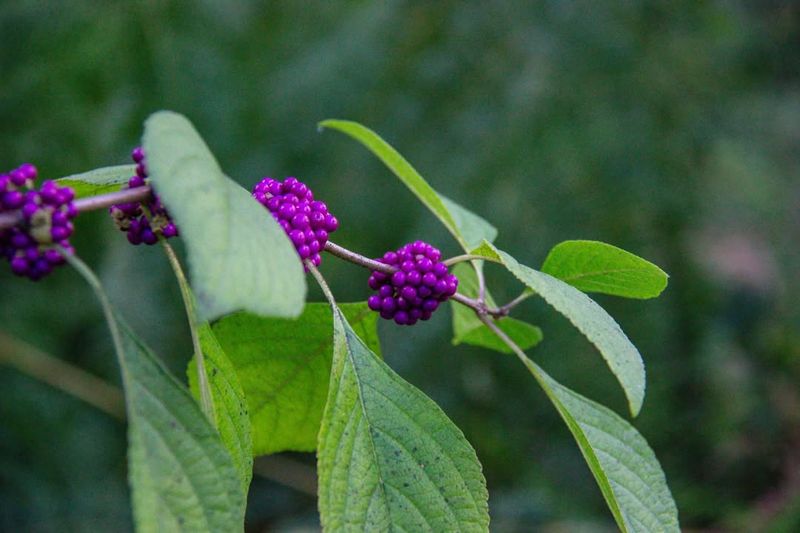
{"x":416,"y":289}
{"x":33,"y":247}
{"x":143,"y":222}
{"x":307,"y":221}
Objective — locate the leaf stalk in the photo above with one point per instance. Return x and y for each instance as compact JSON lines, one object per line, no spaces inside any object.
{"x":206,"y":402}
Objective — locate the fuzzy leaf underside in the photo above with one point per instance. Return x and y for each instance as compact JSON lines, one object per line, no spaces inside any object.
{"x":230,"y":404}
{"x":593,"y":266}
{"x":389,"y":459}
{"x":625,"y":468}
{"x":468,"y":228}
{"x":588,"y":317}
{"x":284,"y":367}
{"x":98,"y":181}
{"x":239,"y":257}
{"x":468,"y":328}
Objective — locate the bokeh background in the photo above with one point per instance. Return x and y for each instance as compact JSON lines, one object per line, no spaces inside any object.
{"x":668,"y":128}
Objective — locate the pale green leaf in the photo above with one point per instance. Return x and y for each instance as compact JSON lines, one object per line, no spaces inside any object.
{"x":594,"y":266}
{"x":592,"y":320}
{"x":468,"y":328}
{"x":389,"y":459}
{"x":230,"y":403}
{"x":98,"y":181}
{"x":239,"y":257}
{"x":467,"y":227}
{"x":181,"y":476}
{"x":625,"y":468}
{"x":284,"y":367}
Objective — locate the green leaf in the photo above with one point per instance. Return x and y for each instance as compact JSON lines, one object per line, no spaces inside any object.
{"x":181,"y":476}
{"x":389,"y":459}
{"x":468,"y":329}
{"x":239,"y":257}
{"x":284,"y":367}
{"x":621,"y":355}
{"x":626,"y":469}
{"x":98,"y":181}
{"x":467,"y":227}
{"x":473,"y":228}
{"x":230,"y":403}
{"x":593,"y":266}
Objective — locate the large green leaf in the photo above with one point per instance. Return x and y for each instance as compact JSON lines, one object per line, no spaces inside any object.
{"x":594,"y":266}
{"x":592,"y":320}
{"x":284,"y":367}
{"x":389,"y":459}
{"x":467,"y":227}
{"x":468,"y":328}
{"x":229,"y":400}
{"x":182,"y":477}
{"x":98,"y":181}
{"x":239,"y":257}
{"x":626,"y":469}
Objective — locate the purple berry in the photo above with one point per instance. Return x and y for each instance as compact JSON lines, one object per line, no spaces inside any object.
{"x":440,"y":287}
{"x":408,"y":293}
{"x":53,"y":256}
{"x":19,"y":266}
{"x":401,"y":317}
{"x":170,"y":230}
{"x":137,"y":154}
{"x":148,"y":236}
{"x":385,"y":290}
{"x":59,"y":233}
{"x":13,"y":200}
{"x":374,"y":302}
{"x":28,"y":170}
{"x":18,"y":177}
{"x":300,"y":221}
{"x":398,"y":279}
{"x":440,"y":270}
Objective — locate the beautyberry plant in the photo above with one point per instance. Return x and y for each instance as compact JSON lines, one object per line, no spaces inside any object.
{"x":388,"y":457}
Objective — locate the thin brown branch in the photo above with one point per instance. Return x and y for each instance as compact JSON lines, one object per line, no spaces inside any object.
{"x":12,"y":218}
{"x":358,"y":259}
{"x":289,"y":472}
{"x":61,"y":375}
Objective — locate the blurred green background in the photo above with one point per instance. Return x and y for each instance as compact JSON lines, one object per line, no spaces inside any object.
{"x":671,"y":129}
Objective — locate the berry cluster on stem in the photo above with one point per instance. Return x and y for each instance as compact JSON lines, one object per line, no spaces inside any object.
{"x":410,"y":283}
{"x":416,"y":289}
{"x":306,"y":221}
{"x":34,"y":246}
{"x":142,"y":221}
